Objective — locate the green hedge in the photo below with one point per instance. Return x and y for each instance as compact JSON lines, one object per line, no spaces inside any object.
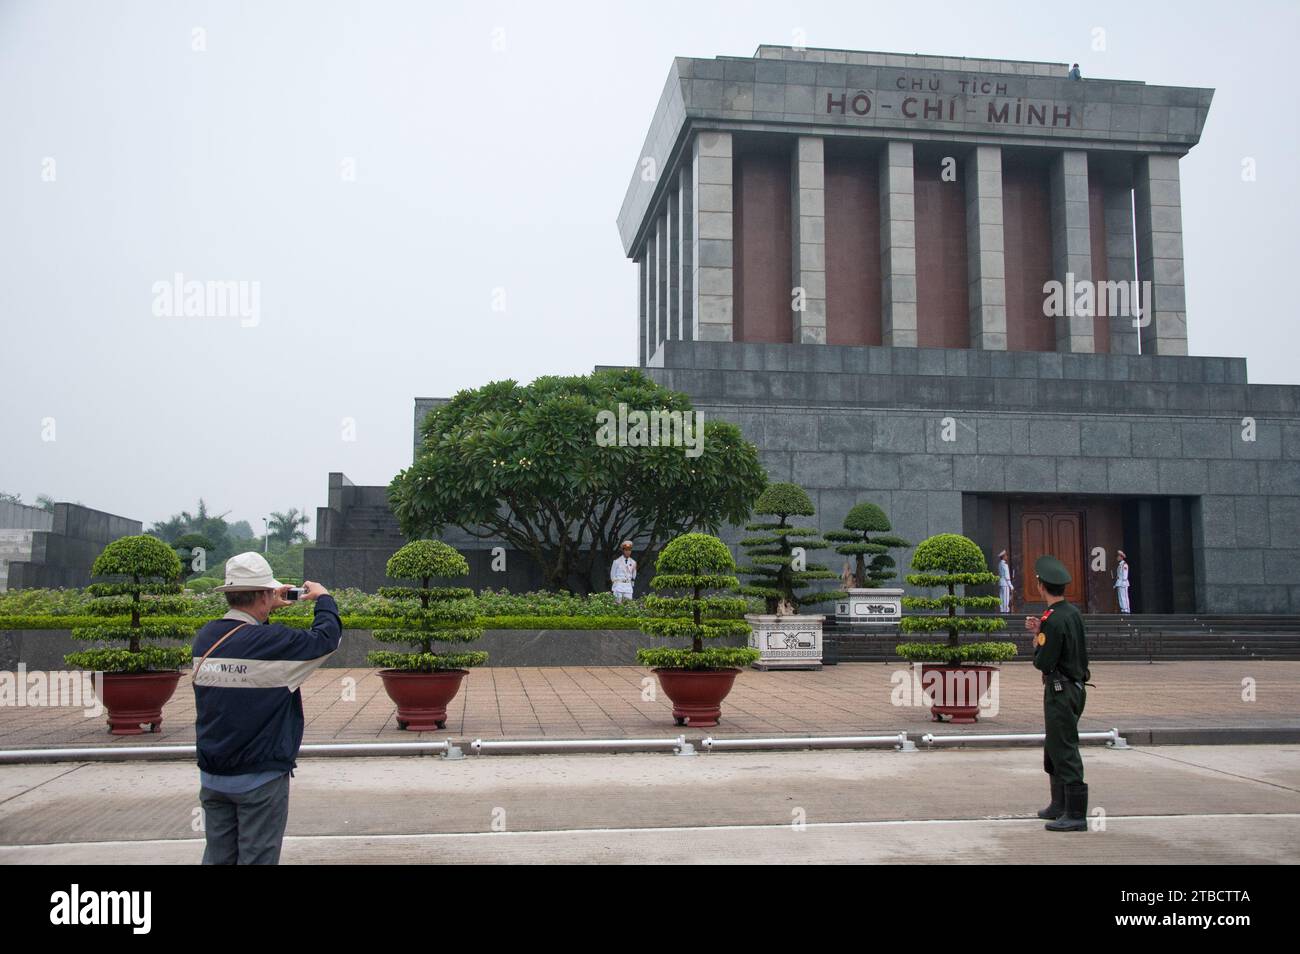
{"x":349,"y":622}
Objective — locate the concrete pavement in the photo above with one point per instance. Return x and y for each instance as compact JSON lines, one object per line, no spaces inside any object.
{"x":1184,"y":804}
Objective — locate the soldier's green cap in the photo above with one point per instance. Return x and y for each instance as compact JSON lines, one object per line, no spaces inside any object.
{"x":1051,"y":570}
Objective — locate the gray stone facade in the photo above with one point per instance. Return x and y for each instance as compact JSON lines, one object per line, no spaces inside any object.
{"x":56,"y":550}
{"x":851,"y":424}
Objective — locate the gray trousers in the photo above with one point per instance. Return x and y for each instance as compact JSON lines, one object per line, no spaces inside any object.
{"x":248,"y":828}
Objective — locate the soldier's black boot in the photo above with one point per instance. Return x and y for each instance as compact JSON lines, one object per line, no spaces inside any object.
{"x":1057,"y":808}
{"x":1076,"y":810}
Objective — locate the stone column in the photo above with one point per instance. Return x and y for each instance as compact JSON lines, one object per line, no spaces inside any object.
{"x":652,"y":293}
{"x":661,"y":278}
{"x":642,"y":287}
{"x":897,"y":246}
{"x":985,"y":261}
{"x":1159,"y":221}
{"x":1121,"y":266}
{"x":686,"y":255}
{"x":808,"y":261}
{"x":713,"y":283}
{"x":672,"y":219}
{"x":1071,"y":247}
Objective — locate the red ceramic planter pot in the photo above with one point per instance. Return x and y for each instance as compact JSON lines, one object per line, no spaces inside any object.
{"x":422,"y":697}
{"x":956,"y":691}
{"x":136,"y":699}
{"x":697,"y":694}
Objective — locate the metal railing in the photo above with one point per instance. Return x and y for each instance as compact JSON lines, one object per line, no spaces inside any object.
{"x":1112,"y":738}
{"x":449,"y":749}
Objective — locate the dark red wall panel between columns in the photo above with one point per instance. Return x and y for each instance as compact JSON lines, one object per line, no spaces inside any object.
{"x":763,"y":247}
{"x":942,"y":301}
{"x":1027,"y":225}
{"x":1097,"y":244}
{"x":853,"y":302}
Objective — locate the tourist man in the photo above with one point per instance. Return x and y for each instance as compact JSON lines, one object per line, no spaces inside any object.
{"x":249,"y":722}
{"x":1121,"y":581}
{"x":1061,"y":654}
{"x":623,"y":573}
{"x":1074,"y":72}
{"x":1004,"y":581}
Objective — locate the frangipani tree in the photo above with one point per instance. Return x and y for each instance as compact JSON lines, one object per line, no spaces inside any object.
{"x":531,"y":466}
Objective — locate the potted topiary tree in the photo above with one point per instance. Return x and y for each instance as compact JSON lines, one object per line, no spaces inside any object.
{"x":867,"y":533}
{"x":137,"y":680}
{"x":697,"y":679}
{"x":779,"y":569}
{"x":422,"y":682}
{"x":950,"y":671}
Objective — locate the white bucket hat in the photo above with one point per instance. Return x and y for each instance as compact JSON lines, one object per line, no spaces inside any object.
{"x":248,"y":571}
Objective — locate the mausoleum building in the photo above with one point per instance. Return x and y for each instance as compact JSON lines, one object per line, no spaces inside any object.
{"x":849,"y":254}
{"x":953,"y":287}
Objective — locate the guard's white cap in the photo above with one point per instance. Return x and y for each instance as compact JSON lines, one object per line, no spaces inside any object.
{"x":248,"y":571}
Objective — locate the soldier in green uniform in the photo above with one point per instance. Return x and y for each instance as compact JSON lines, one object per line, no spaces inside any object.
{"x":1061,"y":654}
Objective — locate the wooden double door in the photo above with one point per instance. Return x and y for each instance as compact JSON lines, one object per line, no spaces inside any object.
{"x":1058,"y":533}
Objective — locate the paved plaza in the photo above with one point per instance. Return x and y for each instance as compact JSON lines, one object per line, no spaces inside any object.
{"x":350,"y":705}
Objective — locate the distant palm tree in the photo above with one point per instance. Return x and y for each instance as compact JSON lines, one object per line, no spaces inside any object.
{"x":286,"y":527}
{"x":212,"y":526}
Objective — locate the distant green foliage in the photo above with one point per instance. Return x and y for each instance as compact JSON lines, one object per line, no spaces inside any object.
{"x":185,"y":545}
{"x":147,"y":570}
{"x":774,"y":578}
{"x":43,"y":602}
{"x":690,"y":565}
{"x":866,"y":533}
{"x":444,"y":614}
{"x":950,"y":560}
{"x":285,"y":527}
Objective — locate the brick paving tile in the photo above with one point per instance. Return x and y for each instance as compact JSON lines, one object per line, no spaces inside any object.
{"x":607,"y":702}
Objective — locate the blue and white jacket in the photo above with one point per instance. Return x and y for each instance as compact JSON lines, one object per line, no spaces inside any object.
{"x":249,"y":705}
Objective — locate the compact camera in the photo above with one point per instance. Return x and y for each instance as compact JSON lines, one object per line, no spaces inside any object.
{"x":293,"y":593}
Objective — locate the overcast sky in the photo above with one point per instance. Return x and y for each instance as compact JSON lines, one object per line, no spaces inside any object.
{"x":383,"y":170}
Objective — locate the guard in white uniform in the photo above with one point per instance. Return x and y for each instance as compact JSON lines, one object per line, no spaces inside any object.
{"x":623,"y":573}
{"x":1004,"y":581}
{"x":1121,"y":581}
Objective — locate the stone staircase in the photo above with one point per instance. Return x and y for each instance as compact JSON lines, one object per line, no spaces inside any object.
{"x":1114,"y":637}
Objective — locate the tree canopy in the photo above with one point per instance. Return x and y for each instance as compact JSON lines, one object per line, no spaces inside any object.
{"x":532,"y":466}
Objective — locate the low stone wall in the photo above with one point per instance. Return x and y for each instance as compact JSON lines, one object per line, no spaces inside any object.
{"x":45,"y":648}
